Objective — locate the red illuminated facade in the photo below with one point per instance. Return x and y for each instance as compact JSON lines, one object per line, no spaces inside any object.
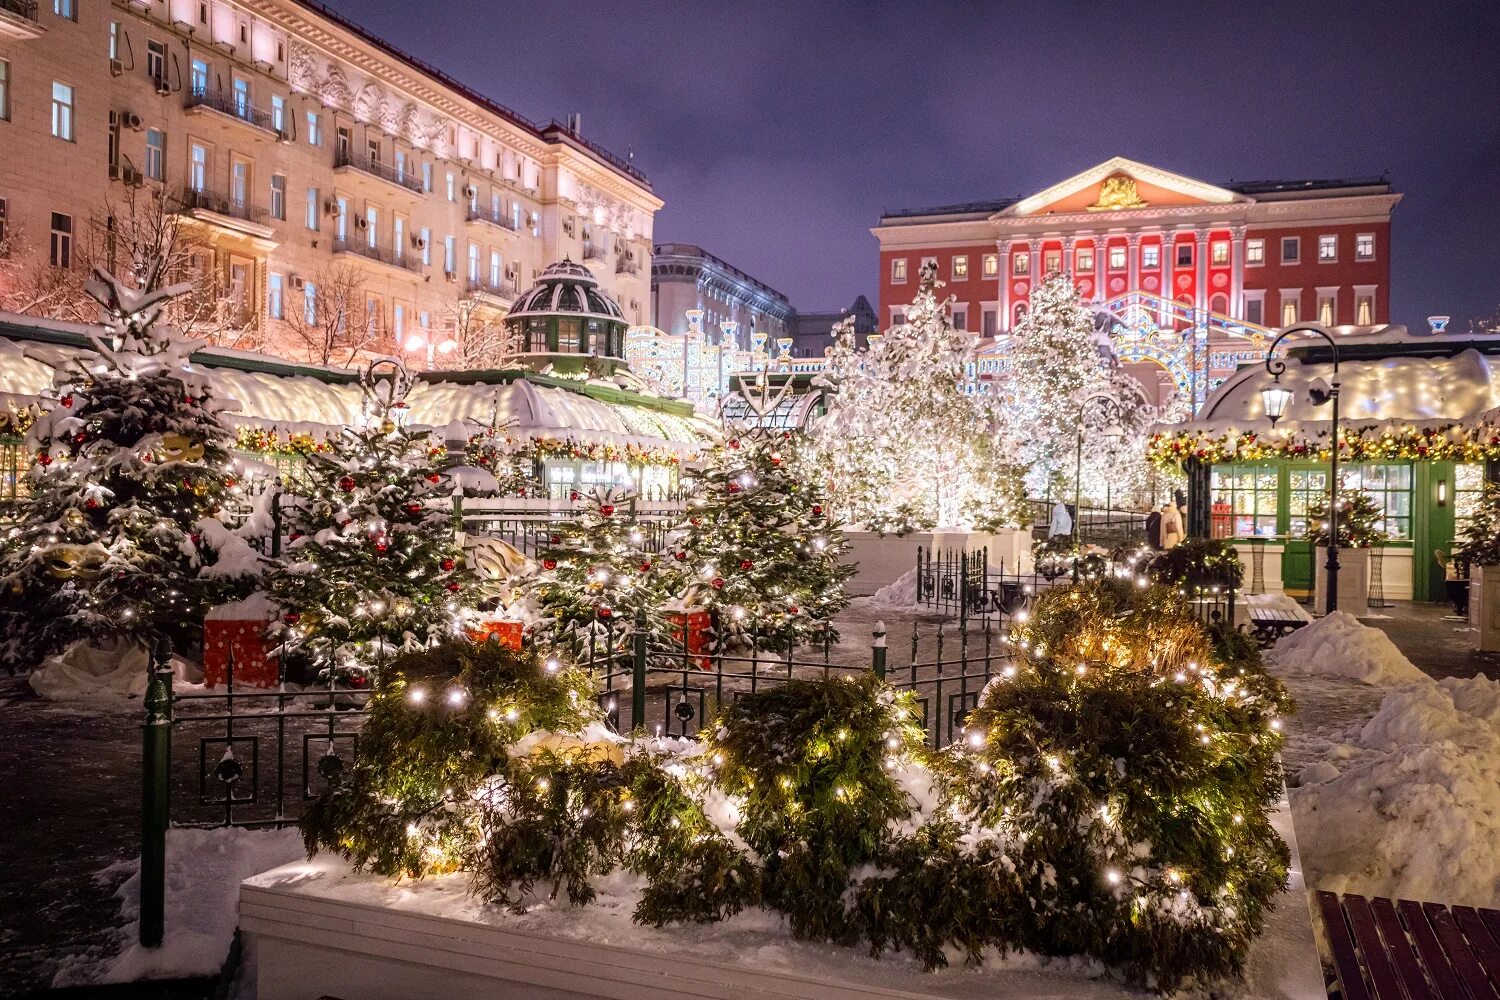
{"x":1264,"y":254}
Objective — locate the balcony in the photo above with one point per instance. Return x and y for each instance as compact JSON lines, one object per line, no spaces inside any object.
{"x":220,"y":103}
{"x":235,"y":214}
{"x":345,"y":160}
{"x":592,"y":251}
{"x":627,"y":264}
{"x":18,"y":19}
{"x":505,"y":290}
{"x":384,"y":255}
{"x":491,"y":217}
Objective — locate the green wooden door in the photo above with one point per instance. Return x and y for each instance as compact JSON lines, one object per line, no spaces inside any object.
{"x":1305,"y":485}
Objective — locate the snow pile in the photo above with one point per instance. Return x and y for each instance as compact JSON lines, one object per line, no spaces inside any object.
{"x":87,"y":672}
{"x":256,"y":607}
{"x":1410,"y":804}
{"x":1337,"y":645}
{"x":204,"y":872}
{"x":902,"y":593}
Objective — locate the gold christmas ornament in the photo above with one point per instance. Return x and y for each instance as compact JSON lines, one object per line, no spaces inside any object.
{"x":387,"y":426}
{"x":180,"y":448}
{"x":86,"y":562}
{"x":73,"y":518}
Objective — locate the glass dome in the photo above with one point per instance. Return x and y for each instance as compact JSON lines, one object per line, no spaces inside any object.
{"x":566,"y":312}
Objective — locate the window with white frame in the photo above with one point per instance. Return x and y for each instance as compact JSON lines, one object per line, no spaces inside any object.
{"x":1364,"y":306}
{"x":312,"y":209}
{"x":65,"y":8}
{"x":1151,"y":256}
{"x":278,"y":196}
{"x":156,"y":154}
{"x":278,"y":112}
{"x":1364,"y":243}
{"x":898,"y":270}
{"x":497,"y":266}
{"x":4,"y":90}
{"x":1117,"y":257}
{"x":197,"y":166}
{"x":114,"y":39}
{"x":275,"y":296}
{"x":1255,"y":308}
{"x":898,"y":317}
{"x":1184,"y":255}
{"x":1291,"y":250}
{"x":1328,"y":248}
{"x":1328,"y":307}
{"x":426,"y":239}
{"x":929,"y":262}
{"x":1219,"y":252}
{"x":60,"y":244}
{"x":372,"y":225}
{"x":1255,"y":253}
{"x":452,"y":187}
{"x":198,"y":79}
{"x":314,"y":133}
{"x":991,"y":265}
{"x":474,"y":262}
{"x":960,"y":267}
{"x":1289,"y":309}
{"x":960,"y":317}
{"x":309,"y":303}
{"x":1086,"y":260}
{"x":62,"y":111}
{"x":1020,"y":262}
{"x":987,"y":322}
{"x":427,"y":177}
{"x":1052,"y":262}
{"x":398,"y":237}
{"x":450,"y":255}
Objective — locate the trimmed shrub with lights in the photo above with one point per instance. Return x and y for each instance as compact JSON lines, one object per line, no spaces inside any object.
{"x":1198,"y":564}
{"x":1142,"y":770}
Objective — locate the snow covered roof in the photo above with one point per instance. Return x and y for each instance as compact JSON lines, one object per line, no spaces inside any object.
{"x":566,"y":289}
{"x":1404,"y":390}
{"x":322,"y":399}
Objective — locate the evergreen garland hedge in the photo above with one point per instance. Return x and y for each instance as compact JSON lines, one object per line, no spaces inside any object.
{"x":1109,"y":797}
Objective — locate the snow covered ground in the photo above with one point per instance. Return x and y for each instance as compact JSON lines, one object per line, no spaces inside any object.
{"x":1397,"y":775}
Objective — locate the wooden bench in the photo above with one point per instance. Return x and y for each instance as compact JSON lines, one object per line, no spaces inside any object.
{"x":1411,"y":951}
{"x":1271,"y":622}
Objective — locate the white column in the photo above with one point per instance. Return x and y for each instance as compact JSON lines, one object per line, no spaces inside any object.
{"x":1036,"y":264}
{"x":1200,"y":297}
{"x":1133,"y":262}
{"x":1237,"y":272}
{"x":1002,"y":247}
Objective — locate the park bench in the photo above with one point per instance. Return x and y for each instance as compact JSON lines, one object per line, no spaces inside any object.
{"x":1271,"y":622}
{"x":1411,"y":951}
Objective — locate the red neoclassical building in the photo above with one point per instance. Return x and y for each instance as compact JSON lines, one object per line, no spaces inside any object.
{"x":1262,"y":254}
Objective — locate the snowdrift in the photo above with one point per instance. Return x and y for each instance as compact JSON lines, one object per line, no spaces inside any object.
{"x":88,"y":672}
{"x":1339,"y":646}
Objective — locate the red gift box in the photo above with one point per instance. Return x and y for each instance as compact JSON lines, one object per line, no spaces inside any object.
{"x":697,"y":625}
{"x":506,"y":633}
{"x":255,"y":661}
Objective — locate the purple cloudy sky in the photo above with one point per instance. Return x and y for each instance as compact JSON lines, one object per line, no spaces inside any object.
{"x":777,"y":132}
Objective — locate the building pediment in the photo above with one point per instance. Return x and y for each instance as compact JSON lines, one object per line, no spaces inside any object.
{"x":1119,"y":186}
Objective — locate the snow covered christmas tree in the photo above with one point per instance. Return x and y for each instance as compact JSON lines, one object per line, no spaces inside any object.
{"x":599,"y":578}
{"x":371,"y":566}
{"x":763,"y":550}
{"x":902,"y":440}
{"x":121,"y":533}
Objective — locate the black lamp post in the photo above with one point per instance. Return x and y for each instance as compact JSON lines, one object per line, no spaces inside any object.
{"x":1276,"y":399}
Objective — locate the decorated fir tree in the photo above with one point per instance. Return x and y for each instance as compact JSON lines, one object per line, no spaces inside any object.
{"x":902,"y":444}
{"x":371,"y":566}
{"x":121,"y":533}
{"x":599,"y":578}
{"x":1478,"y":543}
{"x":762,"y":550}
{"x":1361,"y":520}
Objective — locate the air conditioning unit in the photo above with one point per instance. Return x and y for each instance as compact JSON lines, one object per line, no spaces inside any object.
{"x":511,"y":271}
{"x":131,"y":120}
{"x":330,"y":207}
{"x":296,"y":281}
{"x":470,"y":191}
{"x":360,"y":222}
{"x":132,"y":176}
{"x":116,"y":67}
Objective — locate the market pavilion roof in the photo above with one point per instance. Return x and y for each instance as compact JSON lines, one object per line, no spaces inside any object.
{"x":566,"y":289}
{"x":269,"y":393}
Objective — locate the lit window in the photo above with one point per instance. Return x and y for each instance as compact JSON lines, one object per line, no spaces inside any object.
{"x":278,"y":196}
{"x":1151,"y":256}
{"x":449,"y":252}
{"x":400,"y":165}
{"x":312,"y":209}
{"x":314,"y":134}
{"x":1291,"y":250}
{"x":1052,"y":262}
{"x":197,"y":167}
{"x":1288,"y":311}
{"x":427,"y":177}
{"x":1220,"y":251}
{"x":1086,"y":259}
{"x":199,"y":78}
{"x":1328,"y":248}
{"x":62,"y":111}
{"x":1327,"y":310}
{"x":496,"y":264}
{"x":960,"y":268}
{"x":274,"y":296}
{"x":278,"y":112}
{"x":452,"y":188}
{"x":1117,"y":258}
{"x":1020,"y":262}
{"x":474,"y":262}
{"x":426,"y":239}
{"x":309,"y":303}
{"x":398,"y":237}
{"x":65,"y":8}
{"x":156,"y":154}
{"x":991,"y":265}
{"x":372,"y":225}
{"x":1364,"y":310}
{"x":898,"y":270}
{"x":114,"y":39}
{"x":1184,"y":255}
{"x":1364,"y":243}
{"x":60,"y":247}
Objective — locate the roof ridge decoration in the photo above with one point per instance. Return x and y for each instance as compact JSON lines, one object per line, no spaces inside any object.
{"x":1121,"y":166}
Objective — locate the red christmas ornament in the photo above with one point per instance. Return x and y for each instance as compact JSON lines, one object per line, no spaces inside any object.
{"x":549,"y":564}
{"x":734,"y":443}
{"x":786,"y":435}
{"x":792,"y":609}
{"x":717,"y":583}
{"x":189,"y":400}
{"x":346,"y":483}
{"x":79,"y":437}
{"x":734,"y":487}
{"x":453,"y":587}
{"x":196,"y":538}
{"x":681,"y":556}
{"x":67,"y":400}
{"x":573,"y":495}
{"x":291,"y":618}
{"x":434,"y":478}
{"x":413,"y":508}
{"x":775,"y":459}
{"x":381,"y":546}
{"x":556,"y":539}
{"x":608,"y":510}
{"x":91,"y":503}
{"x":44,"y":459}
{"x":817,"y":508}
{"x":746,"y":564}
{"x":295,"y":535}
{"x":605,"y":612}
{"x":447,"y":565}
{"x":359,"y":681}
{"x":230,"y":482}
{"x":646,"y":566}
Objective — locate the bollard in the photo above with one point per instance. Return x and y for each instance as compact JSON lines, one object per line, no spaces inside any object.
{"x":156,"y":756}
{"x":877,"y":651}
{"x":638,"y":673}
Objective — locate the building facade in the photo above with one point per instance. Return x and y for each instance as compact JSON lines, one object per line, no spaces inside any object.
{"x":1263,"y":254}
{"x":321,"y":169}
{"x":685,"y":277}
{"x":812,"y":333}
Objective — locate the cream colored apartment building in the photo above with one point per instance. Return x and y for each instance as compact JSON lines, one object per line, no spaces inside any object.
{"x":302,"y":147}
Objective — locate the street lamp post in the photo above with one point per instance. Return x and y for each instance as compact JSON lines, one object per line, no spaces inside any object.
{"x":1276,"y":399}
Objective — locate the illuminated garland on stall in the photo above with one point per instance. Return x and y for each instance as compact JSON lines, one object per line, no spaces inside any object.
{"x":265,"y":441}
{"x":1168,"y":450}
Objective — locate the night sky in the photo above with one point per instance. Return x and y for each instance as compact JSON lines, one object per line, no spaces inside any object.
{"x":776,"y":133}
